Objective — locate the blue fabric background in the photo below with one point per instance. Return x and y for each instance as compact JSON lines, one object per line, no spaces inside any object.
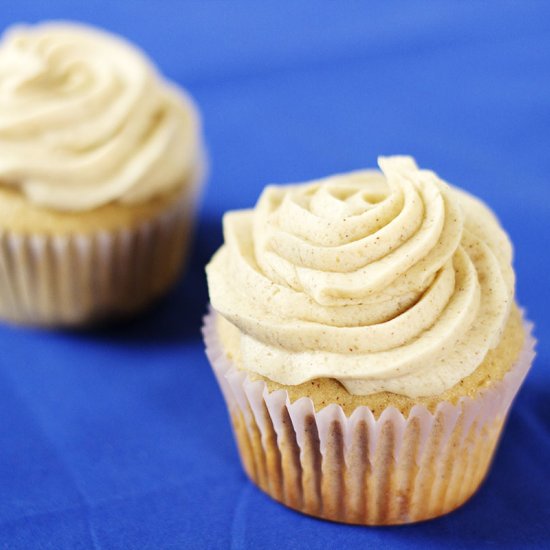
{"x":119,"y":438}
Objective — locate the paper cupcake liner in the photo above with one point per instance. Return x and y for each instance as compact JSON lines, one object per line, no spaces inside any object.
{"x":72,"y":280}
{"x":361,"y":469}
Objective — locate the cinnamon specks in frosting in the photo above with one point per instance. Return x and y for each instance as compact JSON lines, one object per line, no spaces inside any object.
{"x":391,"y":281}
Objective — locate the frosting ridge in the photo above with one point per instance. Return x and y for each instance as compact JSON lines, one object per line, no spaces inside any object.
{"x":387,"y":282}
{"x":86,"y":120}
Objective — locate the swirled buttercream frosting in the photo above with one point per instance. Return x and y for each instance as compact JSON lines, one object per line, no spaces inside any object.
{"x":386,"y":281}
{"x":85,"y":120}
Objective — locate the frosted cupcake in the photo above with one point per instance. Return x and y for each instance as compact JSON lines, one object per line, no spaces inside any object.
{"x":365,"y":335}
{"x":100,"y":163}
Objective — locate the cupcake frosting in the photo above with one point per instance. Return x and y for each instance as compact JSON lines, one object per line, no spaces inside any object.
{"x":85,"y":120}
{"x":391,"y":281}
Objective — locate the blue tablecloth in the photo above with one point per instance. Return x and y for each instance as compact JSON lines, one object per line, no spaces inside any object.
{"x":119,"y":438}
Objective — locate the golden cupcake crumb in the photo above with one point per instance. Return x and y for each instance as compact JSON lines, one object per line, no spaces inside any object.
{"x":325,"y":391}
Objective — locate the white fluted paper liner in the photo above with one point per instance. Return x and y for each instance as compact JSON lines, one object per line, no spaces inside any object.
{"x":361,"y":469}
{"x":72,"y":280}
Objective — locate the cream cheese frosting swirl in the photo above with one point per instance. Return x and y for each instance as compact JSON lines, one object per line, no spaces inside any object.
{"x":85,"y":120}
{"x":391,"y":281}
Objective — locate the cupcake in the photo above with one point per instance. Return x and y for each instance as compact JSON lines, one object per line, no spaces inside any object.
{"x":366,"y":338}
{"x":100,"y":164}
